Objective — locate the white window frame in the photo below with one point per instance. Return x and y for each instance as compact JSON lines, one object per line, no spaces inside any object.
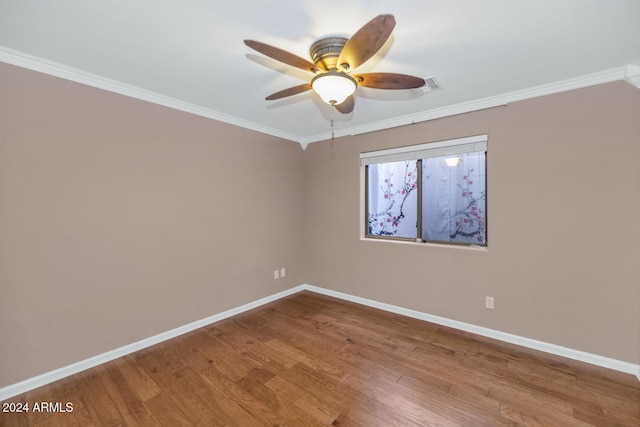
{"x":445,"y":148}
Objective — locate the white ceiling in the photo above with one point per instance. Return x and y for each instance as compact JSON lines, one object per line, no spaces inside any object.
{"x":190,"y":54}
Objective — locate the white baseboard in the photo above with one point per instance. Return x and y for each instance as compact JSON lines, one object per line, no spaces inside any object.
{"x":569,"y":353}
{"x":57,"y":374}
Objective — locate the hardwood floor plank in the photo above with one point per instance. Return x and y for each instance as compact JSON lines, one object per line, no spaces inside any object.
{"x":234,"y":367}
{"x":480,"y":407}
{"x":441,"y":407}
{"x":136,"y":378}
{"x":36,"y":414}
{"x":372,"y":413}
{"x":125,"y":400}
{"x":258,"y":400}
{"x":185,"y":390}
{"x":285,"y":389}
{"x":344,"y":398}
{"x":66,"y":391}
{"x":347,"y":363}
{"x":515,"y":396}
{"x":224,"y":409}
{"x":312,"y":360}
{"x":321,"y":412}
{"x":414,"y":366}
{"x":166,"y":412}
{"x":301,"y":356}
{"x":537,"y":418}
{"x":103,"y":410}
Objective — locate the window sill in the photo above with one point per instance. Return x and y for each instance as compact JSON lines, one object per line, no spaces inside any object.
{"x":427,"y":244}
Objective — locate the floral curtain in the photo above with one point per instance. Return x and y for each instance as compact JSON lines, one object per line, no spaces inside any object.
{"x":392,"y":199}
{"x":454,"y":199}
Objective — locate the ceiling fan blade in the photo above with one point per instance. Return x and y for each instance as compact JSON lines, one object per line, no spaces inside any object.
{"x":346,"y":106}
{"x":281,"y":55}
{"x":366,"y":41}
{"x":289,"y":91}
{"x":389,"y":81}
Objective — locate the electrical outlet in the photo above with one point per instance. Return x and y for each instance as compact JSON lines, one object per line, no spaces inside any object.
{"x":276,"y":274}
{"x":282,"y":272}
{"x":489,"y":303}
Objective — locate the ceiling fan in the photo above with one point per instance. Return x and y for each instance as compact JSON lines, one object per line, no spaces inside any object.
{"x":334,"y":58}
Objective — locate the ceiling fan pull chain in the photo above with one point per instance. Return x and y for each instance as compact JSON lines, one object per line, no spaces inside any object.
{"x":332,"y":135}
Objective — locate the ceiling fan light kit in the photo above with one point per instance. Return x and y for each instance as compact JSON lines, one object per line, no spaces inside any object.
{"x":334,"y":57}
{"x":334,"y":87}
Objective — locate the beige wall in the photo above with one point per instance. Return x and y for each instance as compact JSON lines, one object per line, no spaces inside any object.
{"x":563,"y":224}
{"x":120,"y":219}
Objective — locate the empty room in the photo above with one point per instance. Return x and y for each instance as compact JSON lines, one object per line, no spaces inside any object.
{"x":320,"y":213}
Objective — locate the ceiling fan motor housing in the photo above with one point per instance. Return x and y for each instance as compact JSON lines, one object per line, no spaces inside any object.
{"x":325,"y":52}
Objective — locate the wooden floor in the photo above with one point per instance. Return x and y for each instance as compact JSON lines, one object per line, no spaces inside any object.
{"x":310,"y":360}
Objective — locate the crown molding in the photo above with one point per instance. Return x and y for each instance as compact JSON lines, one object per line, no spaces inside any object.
{"x":629,"y":73}
{"x":632,"y":75}
{"x":55,"y":69}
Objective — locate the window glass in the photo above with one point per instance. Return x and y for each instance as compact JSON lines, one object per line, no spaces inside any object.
{"x":392,"y":199}
{"x":431,"y":192}
{"x":454,"y":199}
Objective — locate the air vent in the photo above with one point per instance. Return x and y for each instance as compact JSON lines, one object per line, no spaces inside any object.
{"x":431,"y":84}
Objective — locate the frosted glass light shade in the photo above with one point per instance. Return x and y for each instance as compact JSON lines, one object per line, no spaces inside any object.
{"x":334,"y":87}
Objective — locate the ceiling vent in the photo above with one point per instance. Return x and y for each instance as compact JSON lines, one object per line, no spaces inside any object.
{"x":430,"y":84}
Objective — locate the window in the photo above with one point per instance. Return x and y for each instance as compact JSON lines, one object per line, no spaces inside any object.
{"x":432,"y":192}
